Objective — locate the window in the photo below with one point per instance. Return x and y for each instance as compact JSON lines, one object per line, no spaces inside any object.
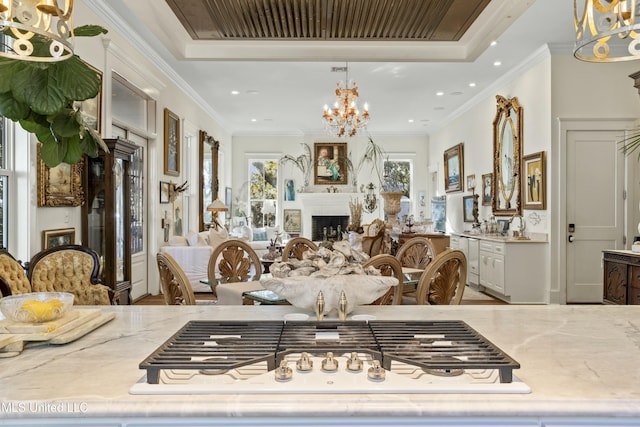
{"x":263,"y":192}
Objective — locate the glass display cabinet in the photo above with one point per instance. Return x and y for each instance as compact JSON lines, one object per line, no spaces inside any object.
{"x":107,"y":214}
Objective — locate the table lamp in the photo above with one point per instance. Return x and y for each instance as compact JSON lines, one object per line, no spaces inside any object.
{"x":214,"y":207}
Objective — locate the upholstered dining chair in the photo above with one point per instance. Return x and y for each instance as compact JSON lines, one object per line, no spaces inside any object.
{"x":296,"y":247}
{"x":373,"y":239}
{"x":233,"y":261}
{"x":443,"y":282}
{"x":13,"y":279}
{"x":388,"y":266}
{"x":176,"y":287}
{"x":70,"y":268}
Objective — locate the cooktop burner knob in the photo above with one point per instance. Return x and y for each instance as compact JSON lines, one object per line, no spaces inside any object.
{"x":304,"y":363}
{"x":354,"y":364}
{"x":283,"y":372}
{"x":376,"y":372}
{"x":330,"y":363}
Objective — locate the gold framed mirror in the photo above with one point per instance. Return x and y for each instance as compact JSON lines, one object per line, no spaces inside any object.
{"x":507,"y":157}
{"x":208,"y":155}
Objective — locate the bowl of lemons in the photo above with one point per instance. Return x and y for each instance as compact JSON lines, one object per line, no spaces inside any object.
{"x":36,"y":307}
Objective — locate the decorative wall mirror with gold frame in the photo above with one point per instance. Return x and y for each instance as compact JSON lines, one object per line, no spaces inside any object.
{"x":507,"y":157}
{"x":208,"y":155}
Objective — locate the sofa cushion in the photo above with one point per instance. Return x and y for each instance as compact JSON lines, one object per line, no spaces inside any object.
{"x":178,"y":241}
{"x":217,"y":236}
{"x":259,"y":234}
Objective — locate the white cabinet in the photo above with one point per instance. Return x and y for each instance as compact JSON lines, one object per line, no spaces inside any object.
{"x":492,"y":266}
{"x":468,"y":246}
{"x":514,"y":271}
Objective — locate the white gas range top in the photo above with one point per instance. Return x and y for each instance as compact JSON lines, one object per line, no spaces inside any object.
{"x":328,"y":357}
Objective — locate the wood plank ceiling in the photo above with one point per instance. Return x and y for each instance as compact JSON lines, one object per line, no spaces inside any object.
{"x":330,"y":20}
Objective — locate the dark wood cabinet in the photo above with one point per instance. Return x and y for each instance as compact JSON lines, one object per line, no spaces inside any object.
{"x":106,"y":215}
{"x":621,"y":277}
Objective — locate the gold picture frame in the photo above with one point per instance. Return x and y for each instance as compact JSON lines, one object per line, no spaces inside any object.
{"x":534,"y":181}
{"x":171,"y":143}
{"x":60,"y":185}
{"x":454,"y":168}
{"x":292,"y":220}
{"x":330,"y":163}
{"x":58,"y":237}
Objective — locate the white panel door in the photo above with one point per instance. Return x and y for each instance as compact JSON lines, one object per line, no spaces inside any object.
{"x":595,"y":209}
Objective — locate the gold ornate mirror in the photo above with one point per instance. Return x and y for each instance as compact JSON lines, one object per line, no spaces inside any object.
{"x":208,"y":155}
{"x":507,"y":157}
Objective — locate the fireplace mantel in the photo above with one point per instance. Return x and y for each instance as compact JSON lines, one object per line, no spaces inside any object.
{"x":317,"y":204}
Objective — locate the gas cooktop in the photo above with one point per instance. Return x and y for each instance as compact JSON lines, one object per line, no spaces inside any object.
{"x":208,"y":357}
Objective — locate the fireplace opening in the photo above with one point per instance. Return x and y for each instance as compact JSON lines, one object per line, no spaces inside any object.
{"x":333,"y":224}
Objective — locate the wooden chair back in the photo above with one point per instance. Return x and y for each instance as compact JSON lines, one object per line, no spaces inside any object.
{"x":417,"y":252}
{"x":296,"y":247}
{"x":443,"y":282}
{"x":176,"y":288}
{"x":388,"y":266}
{"x":70,"y":268}
{"x":233,"y":261}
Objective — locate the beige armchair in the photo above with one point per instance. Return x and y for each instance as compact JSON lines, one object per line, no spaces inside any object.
{"x":13,"y":279}
{"x":69,"y":268}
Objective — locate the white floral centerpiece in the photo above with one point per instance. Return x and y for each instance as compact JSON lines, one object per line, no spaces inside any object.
{"x":329,"y":271}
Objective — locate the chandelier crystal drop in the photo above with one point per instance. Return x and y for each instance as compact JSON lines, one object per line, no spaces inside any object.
{"x":606,"y":30}
{"x":36,"y":30}
{"x":344,"y":119}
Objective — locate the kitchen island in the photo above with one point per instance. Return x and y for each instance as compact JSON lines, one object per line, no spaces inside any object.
{"x":579,"y":362}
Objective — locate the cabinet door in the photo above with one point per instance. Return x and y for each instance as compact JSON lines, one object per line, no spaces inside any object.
{"x":486,"y":269}
{"x":498,"y":273}
{"x":615,"y":282}
{"x":633,"y":294}
{"x":472,"y":257}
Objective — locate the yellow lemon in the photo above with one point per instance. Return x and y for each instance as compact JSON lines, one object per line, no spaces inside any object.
{"x":42,"y":311}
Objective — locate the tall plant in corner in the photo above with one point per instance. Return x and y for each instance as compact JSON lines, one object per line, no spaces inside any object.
{"x":41,"y":95}
{"x":302,"y":162}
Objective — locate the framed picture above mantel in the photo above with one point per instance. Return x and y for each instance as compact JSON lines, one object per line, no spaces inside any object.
{"x":330,"y":165}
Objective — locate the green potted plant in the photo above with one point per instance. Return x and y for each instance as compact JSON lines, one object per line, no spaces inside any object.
{"x":302,"y":162}
{"x":41,"y":97}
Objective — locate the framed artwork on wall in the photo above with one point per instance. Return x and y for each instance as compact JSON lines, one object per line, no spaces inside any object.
{"x":171,"y":143}
{"x":60,"y":185}
{"x":487,"y":188}
{"x":468,"y":206}
{"x":164,"y":191}
{"x":535,"y":181}
{"x":471,"y":182}
{"x":58,"y":237}
{"x":292,"y":220}
{"x":454,"y":168}
{"x":330,"y":166}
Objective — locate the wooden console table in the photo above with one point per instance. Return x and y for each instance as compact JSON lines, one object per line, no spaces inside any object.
{"x":621,"y":277}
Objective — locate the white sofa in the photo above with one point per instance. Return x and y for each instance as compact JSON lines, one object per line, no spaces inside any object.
{"x":258,"y":238}
{"x":192,"y":253}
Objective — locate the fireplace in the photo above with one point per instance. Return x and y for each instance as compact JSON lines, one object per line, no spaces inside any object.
{"x":323,"y":205}
{"x":334,"y":225}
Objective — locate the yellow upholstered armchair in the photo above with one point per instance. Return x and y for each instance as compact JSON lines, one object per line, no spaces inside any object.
{"x":70,"y":268}
{"x":13,"y":279}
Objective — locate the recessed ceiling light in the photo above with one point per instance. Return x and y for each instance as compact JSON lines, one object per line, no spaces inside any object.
{"x":497,"y":64}
{"x":472,"y":84}
{"x":254,"y":120}
{"x":493,"y":43}
{"x":253,"y":92}
{"x":410,"y":120}
{"x":235,"y":92}
{"x":439,"y":93}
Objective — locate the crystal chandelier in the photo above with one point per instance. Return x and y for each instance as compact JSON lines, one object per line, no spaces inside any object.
{"x":38,"y":30}
{"x":344,"y":119}
{"x":606,"y":30}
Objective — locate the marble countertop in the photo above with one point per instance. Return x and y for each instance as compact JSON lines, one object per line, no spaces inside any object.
{"x":580,"y":361}
{"x":533,"y":238}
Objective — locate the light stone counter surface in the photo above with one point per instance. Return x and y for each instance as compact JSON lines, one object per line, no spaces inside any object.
{"x":581,"y":363}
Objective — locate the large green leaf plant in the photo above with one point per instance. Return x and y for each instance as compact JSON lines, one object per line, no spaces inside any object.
{"x":41,"y":96}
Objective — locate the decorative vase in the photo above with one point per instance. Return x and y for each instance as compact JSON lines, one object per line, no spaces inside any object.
{"x":391,"y":206}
